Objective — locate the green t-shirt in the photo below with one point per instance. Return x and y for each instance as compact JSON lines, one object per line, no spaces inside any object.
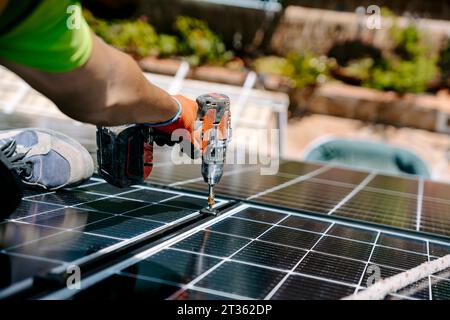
{"x":51,"y":35}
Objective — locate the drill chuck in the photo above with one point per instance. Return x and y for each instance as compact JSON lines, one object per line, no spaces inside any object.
{"x":214,"y":113}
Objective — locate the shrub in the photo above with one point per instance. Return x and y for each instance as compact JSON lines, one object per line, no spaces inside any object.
{"x":168,"y":45}
{"x":409,"y":68}
{"x":193,"y":39}
{"x":198,"y":43}
{"x":303,"y":69}
{"x":403,"y":76}
{"x":135,"y":37}
{"x":270,"y":65}
{"x":306,"y":69}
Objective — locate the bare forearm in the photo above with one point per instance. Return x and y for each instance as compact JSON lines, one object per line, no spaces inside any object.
{"x":109,"y":89}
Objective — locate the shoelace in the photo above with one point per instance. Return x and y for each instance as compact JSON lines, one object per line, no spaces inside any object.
{"x":13,"y":159}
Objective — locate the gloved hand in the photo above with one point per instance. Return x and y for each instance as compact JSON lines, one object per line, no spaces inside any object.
{"x":181,"y":129}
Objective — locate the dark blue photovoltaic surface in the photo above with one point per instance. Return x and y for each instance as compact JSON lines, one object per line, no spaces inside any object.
{"x":258,"y":253}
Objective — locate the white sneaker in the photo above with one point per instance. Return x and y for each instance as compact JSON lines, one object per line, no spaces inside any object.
{"x":45,"y":158}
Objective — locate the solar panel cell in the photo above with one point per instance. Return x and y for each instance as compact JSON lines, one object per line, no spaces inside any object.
{"x":352,"y":233}
{"x":13,"y":234}
{"x":297,"y":168}
{"x":403,"y":243}
{"x":67,"y":218}
{"x":307,"y":195}
{"x":148,"y":195}
{"x":437,"y":190}
{"x":394,"y":183}
{"x":187,"y":202}
{"x":173,"y":266}
{"x":241,"y":279}
{"x":212,"y":243}
{"x":302,"y":288}
{"x":272,"y":255}
{"x":291,"y":237}
{"x":113,"y":205}
{"x":261,"y":215}
{"x":16,"y":268}
{"x":330,"y":267}
{"x":28,"y":208}
{"x":381,"y":208}
{"x":396,"y":258}
{"x":121,"y":227}
{"x":343,"y":176}
{"x":435,"y":217}
{"x":438,"y":250}
{"x":66,"y":246}
{"x":66,"y":198}
{"x":104,"y":188}
{"x":344,"y":248}
{"x":240,"y":227}
{"x":440,"y":289}
{"x":159,"y":212}
{"x":305,"y":224}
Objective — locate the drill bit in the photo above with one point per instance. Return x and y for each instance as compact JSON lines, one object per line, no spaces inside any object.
{"x":211,"y":200}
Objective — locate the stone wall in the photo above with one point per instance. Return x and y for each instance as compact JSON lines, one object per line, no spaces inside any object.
{"x":422,"y":111}
{"x":436,"y":9}
{"x":316,"y":30}
{"x":242,"y":28}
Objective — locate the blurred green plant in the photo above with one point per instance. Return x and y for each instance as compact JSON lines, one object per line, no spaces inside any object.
{"x":404,"y":76}
{"x":192,"y":39}
{"x":304,"y":69}
{"x":408,"y":42}
{"x":270,"y":65}
{"x":410,"y":67}
{"x":359,"y":69}
{"x":168,"y":45}
{"x":135,"y":37}
{"x":199,"y":44}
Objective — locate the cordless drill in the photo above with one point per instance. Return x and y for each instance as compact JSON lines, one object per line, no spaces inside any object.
{"x":125,"y":153}
{"x":215,"y":119}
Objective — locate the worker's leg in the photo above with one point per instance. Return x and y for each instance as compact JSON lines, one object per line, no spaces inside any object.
{"x":47,"y":159}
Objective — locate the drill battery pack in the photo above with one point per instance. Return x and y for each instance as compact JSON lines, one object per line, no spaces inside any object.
{"x":124,"y":154}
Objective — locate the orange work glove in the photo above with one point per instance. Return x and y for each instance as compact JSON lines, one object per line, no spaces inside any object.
{"x":181,"y":128}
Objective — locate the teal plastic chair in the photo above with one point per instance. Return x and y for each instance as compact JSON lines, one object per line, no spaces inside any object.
{"x":369,"y":156}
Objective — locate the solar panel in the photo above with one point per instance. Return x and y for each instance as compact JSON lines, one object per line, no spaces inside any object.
{"x":401,"y":202}
{"x":52,"y":229}
{"x":309,"y":231}
{"x":253,"y":252}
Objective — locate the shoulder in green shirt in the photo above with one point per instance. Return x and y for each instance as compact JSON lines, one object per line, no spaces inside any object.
{"x":53,"y":37}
